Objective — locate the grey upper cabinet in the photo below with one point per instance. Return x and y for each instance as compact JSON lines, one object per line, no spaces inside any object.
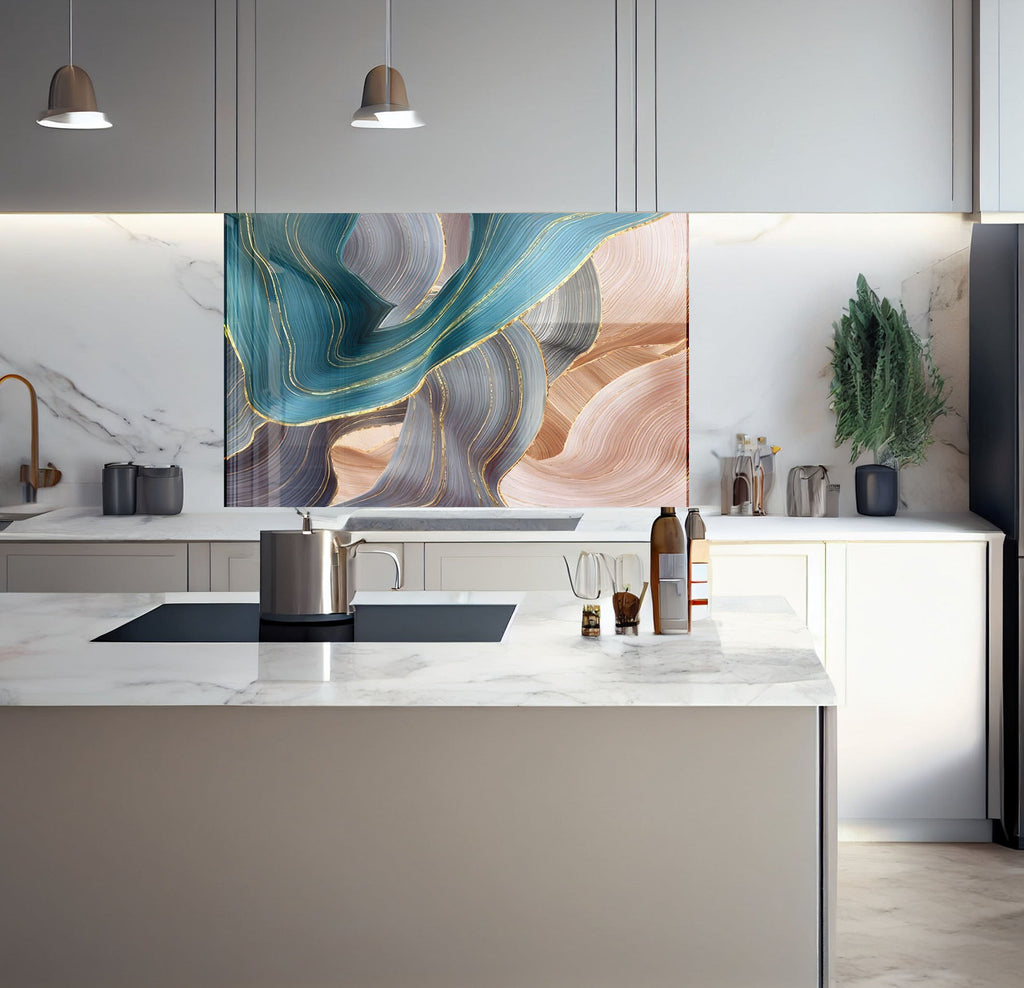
{"x":153,"y":68}
{"x":518,"y":98}
{"x":799,"y":105}
{"x":999,"y":54}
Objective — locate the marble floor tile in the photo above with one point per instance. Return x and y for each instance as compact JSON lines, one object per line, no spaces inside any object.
{"x":942,"y":915}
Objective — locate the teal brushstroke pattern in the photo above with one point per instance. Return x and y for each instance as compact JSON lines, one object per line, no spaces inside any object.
{"x":476,"y":415}
{"x":310,"y":334}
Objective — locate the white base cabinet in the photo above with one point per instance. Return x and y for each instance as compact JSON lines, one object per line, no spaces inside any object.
{"x":912,"y":733}
{"x":903,"y":632}
{"x":792,"y":570}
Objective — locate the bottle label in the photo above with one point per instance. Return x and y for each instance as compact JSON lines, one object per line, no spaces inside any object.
{"x":672,"y":592}
{"x":671,"y":566}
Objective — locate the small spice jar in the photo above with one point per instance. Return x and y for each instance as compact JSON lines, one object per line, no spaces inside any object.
{"x":591,"y":627}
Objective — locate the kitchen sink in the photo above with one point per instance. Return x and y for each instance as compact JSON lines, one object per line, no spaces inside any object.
{"x":240,"y":622}
{"x":468,"y":520}
{"x":19,"y":512}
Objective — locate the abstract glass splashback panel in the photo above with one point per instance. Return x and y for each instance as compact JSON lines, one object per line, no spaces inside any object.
{"x":425,"y":359}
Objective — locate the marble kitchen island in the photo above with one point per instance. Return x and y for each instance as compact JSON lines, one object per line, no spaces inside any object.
{"x":547,"y":810}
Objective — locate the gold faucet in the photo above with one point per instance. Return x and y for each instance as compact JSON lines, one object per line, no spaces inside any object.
{"x":30,"y":477}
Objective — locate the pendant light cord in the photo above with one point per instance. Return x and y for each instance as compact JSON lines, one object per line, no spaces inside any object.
{"x":71,"y":32}
{"x":387,"y":52}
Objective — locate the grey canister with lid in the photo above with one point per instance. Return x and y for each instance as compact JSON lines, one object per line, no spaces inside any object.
{"x":160,"y":490}
{"x":119,"y":481}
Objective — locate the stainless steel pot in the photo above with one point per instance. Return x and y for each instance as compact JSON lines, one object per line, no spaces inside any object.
{"x":305,"y":574}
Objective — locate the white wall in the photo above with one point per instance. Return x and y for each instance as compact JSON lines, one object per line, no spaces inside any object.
{"x":118,"y":320}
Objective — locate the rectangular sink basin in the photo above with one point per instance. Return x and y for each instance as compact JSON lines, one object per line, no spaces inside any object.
{"x":471,"y":520}
{"x":19,"y":512}
{"x":240,"y":622}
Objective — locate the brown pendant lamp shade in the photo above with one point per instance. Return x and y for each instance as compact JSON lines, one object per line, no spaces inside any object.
{"x":385,"y":102}
{"x":384,"y":105}
{"x":72,"y":103}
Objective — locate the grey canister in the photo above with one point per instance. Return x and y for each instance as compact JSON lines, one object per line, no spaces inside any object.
{"x":160,"y":490}
{"x":119,"y":481}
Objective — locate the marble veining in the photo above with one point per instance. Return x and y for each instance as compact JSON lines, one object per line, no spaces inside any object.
{"x":943,"y":915}
{"x":747,"y":655}
{"x":126,"y":357}
{"x":764,"y":292}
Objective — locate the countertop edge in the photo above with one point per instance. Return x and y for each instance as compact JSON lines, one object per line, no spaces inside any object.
{"x":70,"y":525}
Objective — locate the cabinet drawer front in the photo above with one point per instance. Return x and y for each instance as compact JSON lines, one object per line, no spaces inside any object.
{"x":513,"y":566}
{"x":97,"y":569}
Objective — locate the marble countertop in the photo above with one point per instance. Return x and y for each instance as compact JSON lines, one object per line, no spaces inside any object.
{"x":595,"y":525}
{"x":752,"y":652}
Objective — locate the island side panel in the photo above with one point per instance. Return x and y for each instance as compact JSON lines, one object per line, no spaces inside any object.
{"x":401,"y":847}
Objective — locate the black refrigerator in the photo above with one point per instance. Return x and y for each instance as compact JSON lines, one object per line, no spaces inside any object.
{"x":996,"y":425}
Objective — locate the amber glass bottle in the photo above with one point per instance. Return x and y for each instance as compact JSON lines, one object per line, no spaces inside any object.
{"x":668,"y":573}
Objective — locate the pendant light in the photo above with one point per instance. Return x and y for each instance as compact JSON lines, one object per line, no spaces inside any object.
{"x":385,"y":103}
{"x":72,"y":104}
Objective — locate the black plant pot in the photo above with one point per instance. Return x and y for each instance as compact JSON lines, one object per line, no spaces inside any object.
{"x":878,"y":489}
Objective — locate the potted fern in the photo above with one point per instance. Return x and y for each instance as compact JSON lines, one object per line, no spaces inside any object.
{"x":886,"y":393}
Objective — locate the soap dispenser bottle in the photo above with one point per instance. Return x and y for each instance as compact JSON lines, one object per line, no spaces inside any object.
{"x":668,"y":574}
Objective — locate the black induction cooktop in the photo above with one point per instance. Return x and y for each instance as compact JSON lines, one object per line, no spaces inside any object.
{"x":239,"y":622}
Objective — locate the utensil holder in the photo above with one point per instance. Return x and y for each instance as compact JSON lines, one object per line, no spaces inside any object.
{"x":119,"y":482}
{"x":159,"y":490}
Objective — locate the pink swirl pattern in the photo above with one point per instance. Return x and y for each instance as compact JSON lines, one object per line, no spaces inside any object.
{"x":628,"y":447}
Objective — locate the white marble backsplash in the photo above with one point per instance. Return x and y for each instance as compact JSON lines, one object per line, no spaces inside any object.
{"x":764,"y":292}
{"x":118,"y":322}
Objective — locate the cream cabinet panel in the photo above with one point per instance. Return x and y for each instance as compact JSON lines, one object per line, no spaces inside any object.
{"x":804,"y":106}
{"x":376,"y":572}
{"x":519,"y":101}
{"x":792,"y":570}
{"x":236,"y":566}
{"x":96,"y":567}
{"x":543,"y":847}
{"x":152,"y":65}
{"x":512,"y":565}
{"x":912,"y":734}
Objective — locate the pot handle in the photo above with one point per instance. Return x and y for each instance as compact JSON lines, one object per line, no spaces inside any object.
{"x":394,"y":559}
{"x":343,"y":547}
